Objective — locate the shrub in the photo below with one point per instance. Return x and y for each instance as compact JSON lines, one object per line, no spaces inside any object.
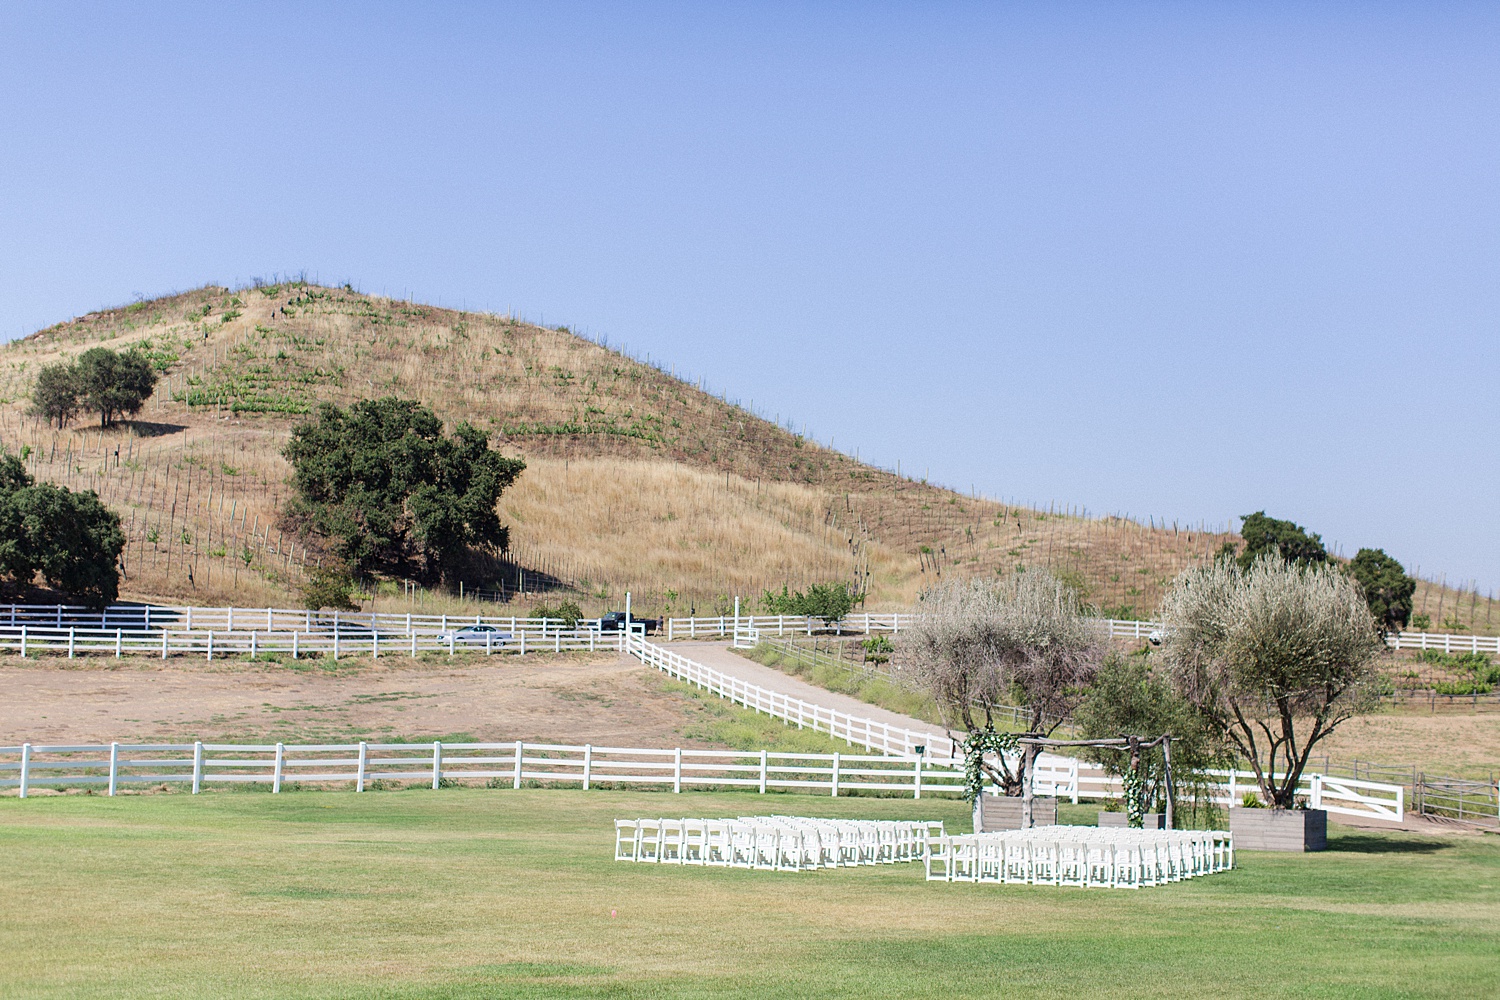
{"x":568,"y":611}
{"x":329,"y":587}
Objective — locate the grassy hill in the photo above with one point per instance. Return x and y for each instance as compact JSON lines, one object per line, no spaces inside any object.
{"x":636,"y":479}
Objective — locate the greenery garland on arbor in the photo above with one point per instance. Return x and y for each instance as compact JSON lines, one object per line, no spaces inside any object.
{"x":978,"y":743}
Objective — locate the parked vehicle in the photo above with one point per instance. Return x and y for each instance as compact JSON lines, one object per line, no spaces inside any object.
{"x":615,"y":622}
{"x":488,"y":636}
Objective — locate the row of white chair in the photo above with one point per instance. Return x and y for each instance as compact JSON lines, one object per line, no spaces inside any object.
{"x":1109,"y":857}
{"x":774,"y":843}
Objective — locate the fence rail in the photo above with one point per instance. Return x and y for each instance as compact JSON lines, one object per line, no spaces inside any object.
{"x":190,"y":617}
{"x":339,"y":640}
{"x":865,"y":732}
{"x":115,"y":765}
{"x":1013,"y":715}
{"x":1458,"y":798}
{"x":499,"y":765}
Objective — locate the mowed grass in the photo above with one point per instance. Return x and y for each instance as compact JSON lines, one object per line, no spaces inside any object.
{"x":472,"y":893}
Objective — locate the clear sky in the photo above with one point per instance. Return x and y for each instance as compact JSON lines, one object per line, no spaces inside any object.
{"x":1187,"y":260}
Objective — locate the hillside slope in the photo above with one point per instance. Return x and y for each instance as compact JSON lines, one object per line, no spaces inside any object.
{"x":636,"y":479}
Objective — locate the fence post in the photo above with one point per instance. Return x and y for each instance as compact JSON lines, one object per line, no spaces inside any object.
{"x":253,"y":650}
{"x":520,"y":751}
{"x":190,"y":618}
{"x":210,"y":644}
{"x":197,"y":766}
{"x":25,"y":768}
{"x":119,"y":641}
{"x":114,"y":766}
{"x":359,"y":781}
{"x":294,"y":643}
{"x":72,"y":632}
{"x":523,"y":642}
{"x":23,"y":642}
{"x":677,"y":770}
{"x":450,"y":643}
{"x":762,"y":772}
{"x":374,"y":645}
{"x":148,"y":616}
{"x":1315,"y":793}
{"x":437,"y":764}
{"x":276,"y":772}
{"x":164,"y":644}
{"x":917,"y":789}
{"x":229,"y":618}
{"x":835,"y":774}
{"x":588,"y":764}
{"x":335,"y":639}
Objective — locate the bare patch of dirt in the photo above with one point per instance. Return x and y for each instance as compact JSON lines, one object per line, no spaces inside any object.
{"x":565,"y":699}
{"x":1444,"y":743}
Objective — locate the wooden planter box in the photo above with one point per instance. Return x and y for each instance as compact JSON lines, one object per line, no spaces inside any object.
{"x":1278,"y":829}
{"x":1150,"y":821}
{"x":1003,"y":812}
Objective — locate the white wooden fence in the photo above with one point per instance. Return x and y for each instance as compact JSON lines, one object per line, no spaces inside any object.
{"x":115,"y":765}
{"x":342,"y":640}
{"x":872,"y":735}
{"x":229,"y":619}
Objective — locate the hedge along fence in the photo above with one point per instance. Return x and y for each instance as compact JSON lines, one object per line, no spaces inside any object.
{"x":498,"y":765}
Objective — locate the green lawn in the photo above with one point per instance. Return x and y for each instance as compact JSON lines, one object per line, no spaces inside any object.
{"x":497,"y":893}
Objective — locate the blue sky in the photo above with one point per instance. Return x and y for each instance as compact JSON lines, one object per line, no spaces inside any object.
{"x":1186,"y":260}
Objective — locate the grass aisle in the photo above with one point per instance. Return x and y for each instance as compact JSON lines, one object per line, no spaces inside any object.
{"x":471,"y":893}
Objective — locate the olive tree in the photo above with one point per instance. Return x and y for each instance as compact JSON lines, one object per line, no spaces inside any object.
{"x":1275,"y":657}
{"x":980,"y":646}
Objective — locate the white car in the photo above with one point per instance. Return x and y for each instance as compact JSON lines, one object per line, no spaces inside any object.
{"x":488,"y":636}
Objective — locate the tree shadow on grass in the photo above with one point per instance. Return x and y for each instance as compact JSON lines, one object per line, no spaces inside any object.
{"x":1356,"y":843}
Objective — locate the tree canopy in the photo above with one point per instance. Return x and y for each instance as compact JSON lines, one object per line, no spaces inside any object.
{"x":55,"y":395}
{"x":391,"y":493}
{"x":978,"y":645}
{"x":1264,"y":535}
{"x":1129,"y":698}
{"x":72,"y":539}
{"x":110,"y":383}
{"x":828,"y":601}
{"x":1274,"y":657}
{"x":1388,"y":590}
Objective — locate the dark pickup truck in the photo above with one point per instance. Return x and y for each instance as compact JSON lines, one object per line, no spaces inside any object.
{"x":615,"y":622}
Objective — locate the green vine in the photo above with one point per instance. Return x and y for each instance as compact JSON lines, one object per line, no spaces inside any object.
{"x":976,"y":745}
{"x":1134,"y":782}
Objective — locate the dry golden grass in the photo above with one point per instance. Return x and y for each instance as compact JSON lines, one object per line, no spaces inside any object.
{"x":637,"y":480}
